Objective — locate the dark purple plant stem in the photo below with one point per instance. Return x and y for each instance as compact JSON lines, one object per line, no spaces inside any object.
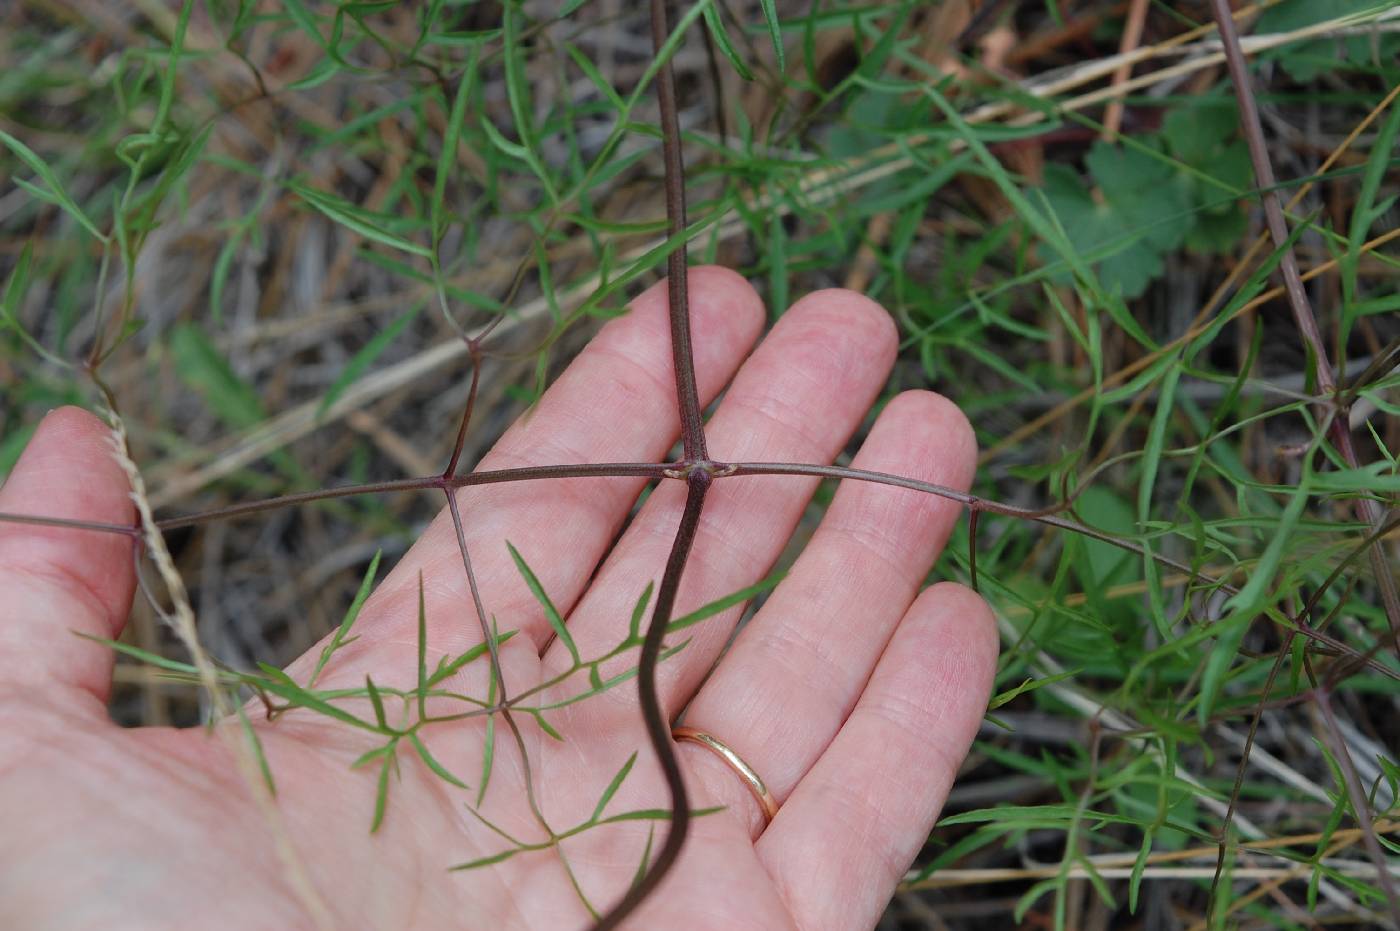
{"x":488,"y":477}
{"x":1360,"y":808}
{"x":682,"y":354}
{"x":474,"y":351}
{"x":493,"y":650}
{"x":1368,"y":509}
{"x":127,"y":530}
{"x":658,"y":723}
{"x":1046,"y":516}
{"x":697,"y":472}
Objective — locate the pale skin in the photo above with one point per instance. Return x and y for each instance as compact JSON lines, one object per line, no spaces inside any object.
{"x":854,"y":693}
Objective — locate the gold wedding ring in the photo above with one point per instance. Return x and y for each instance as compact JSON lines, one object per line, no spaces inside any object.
{"x":734,"y":761}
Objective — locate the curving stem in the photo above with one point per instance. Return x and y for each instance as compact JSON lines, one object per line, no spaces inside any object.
{"x":695,"y":471}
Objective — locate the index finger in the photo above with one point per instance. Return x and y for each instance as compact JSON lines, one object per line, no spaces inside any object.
{"x":615,"y":402}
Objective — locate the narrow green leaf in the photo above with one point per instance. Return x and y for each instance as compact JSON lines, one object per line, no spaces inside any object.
{"x":200,"y":365}
{"x":381,"y":789}
{"x":1031,"y":685}
{"x":488,"y":750}
{"x":613,"y":786}
{"x":451,"y":139}
{"x":645,"y":861}
{"x":145,"y":656}
{"x":634,"y":627}
{"x":446,"y":669}
{"x":657,"y":814}
{"x":338,"y":639}
{"x":725,"y":603}
{"x":1139,"y":866}
{"x":715,"y":23}
{"x":56,"y":192}
{"x":432,"y":761}
{"x":255,"y":744}
{"x":550,"y":612}
{"x":377,"y":701}
{"x":775,"y":31}
{"x":488,"y":861}
{"x":1156,"y":442}
{"x":356,"y":218}
{"x":518,"y":96}
{"x":591,"y":72}
{"x":1244,"y":606}
{"x":283,"y":686}
{"x":369,"y":756}
{"x":364,"y":358}
{"x":218,"y":278}
{"x":9,"y":308}
{"x":1365,"y":211}
{"x":545,"y":725}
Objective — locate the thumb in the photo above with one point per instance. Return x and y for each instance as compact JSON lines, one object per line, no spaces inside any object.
{"x":60,"y":580}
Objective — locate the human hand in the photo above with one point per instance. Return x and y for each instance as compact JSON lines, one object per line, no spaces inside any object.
{"x":851,"y":693}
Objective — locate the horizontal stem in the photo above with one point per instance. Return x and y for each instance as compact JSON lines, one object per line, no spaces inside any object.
{"x":127,"y":530}
{"x":488,"y":477}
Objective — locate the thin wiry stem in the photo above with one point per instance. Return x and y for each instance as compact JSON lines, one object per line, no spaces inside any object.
{"x":487,"y":477}
{"x":697,"y":473}
{"x":658,"y":724}
{"x":682,"y":352}
{"x":494,"y":651}
{"x":474,"y":351}
{"x":98,"y":526}
{"x":679,"y":470}
{"x":1356,"y":792}
{"x":1368,"y":509}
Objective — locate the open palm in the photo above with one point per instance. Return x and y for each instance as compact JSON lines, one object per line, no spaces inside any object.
{"x":852,"y":693}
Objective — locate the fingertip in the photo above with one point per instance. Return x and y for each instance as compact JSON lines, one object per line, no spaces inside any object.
{"x":945,"y":424}
{"x":68,"y":427}
{"x":876,"y":329}
{"x":963,"y":625}
{"x":726,"y":315}
{"x":721,"y":297}
{"x":67,"y":470}
{"x":64,"y":579}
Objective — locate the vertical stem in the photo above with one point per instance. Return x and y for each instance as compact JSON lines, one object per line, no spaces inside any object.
{"x":474,"y":350}
{"x":687,"y":395}
{"x":1368,"y":509}
{"x":658,"y":724}
{"x":1273,"y":211}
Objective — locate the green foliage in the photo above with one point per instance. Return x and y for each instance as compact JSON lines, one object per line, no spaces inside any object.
{"x":504,"y":169}
{"x":1308,"y":61}
{"x":1147,"y":200}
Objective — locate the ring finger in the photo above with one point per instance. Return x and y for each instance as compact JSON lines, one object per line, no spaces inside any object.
{"x":793,"y":675}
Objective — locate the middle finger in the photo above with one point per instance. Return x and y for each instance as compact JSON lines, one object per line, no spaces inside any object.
{"x":797,"y":399}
